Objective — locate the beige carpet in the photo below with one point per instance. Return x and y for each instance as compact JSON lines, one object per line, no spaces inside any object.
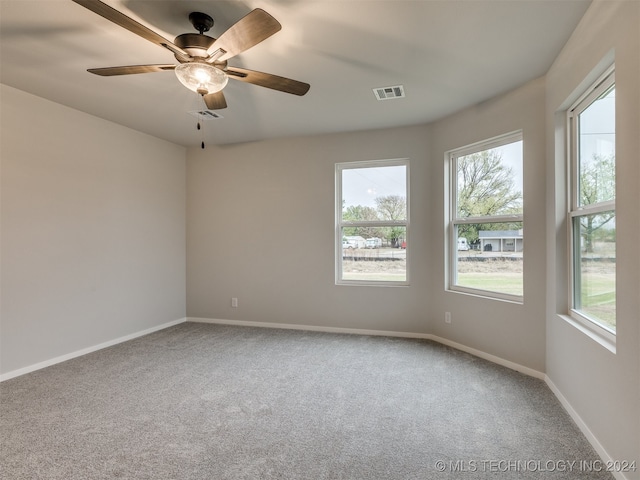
{"x":201,"y":401}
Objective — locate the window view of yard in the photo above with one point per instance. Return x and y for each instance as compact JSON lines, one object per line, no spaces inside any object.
{"x":596,"y":274}
{"x":385,"y":263}
{"x":486,"y":225}
{"x":494,"y":273}
{"x":593,"y":192}
{"x":372,"y":220}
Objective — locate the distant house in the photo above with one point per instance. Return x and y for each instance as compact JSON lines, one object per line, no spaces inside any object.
{"x":501,"y":240}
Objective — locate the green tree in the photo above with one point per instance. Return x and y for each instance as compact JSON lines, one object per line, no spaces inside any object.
{"x":485,"y":188}
{"x":355,"y":213}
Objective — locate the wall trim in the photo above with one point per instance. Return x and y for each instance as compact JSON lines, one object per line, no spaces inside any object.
{"x":385,"y":333}
{"x":491,"y":358}
{"x":312,"y":328}
{"x":85,"y":351}
{"x":597,"y":446}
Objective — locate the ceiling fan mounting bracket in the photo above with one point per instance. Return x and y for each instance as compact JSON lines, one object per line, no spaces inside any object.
{"x":201,"y":21}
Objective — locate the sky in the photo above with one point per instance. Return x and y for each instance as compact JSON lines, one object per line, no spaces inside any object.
{"x":512,"y":158}
{"x":598,"y":127}
{"x":360,"y":186}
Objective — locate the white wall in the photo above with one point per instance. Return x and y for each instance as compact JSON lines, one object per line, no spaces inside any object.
{"x":260,"y":227}
{"x":514,"y":332}
{"x":602,"y":387}
{"x":93,"y":231}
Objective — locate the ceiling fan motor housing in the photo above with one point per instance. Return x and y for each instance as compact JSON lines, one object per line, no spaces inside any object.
{"x":194,"y":44}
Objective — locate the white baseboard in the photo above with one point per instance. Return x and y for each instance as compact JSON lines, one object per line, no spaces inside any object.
{"x":312,"y":328}
{"x":597,"y":446}
{"x":84,"y":351}
{"x":492,"y":358}
{"x":384,"y":333}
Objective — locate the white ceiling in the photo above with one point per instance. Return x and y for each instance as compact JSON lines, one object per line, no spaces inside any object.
{"x":448,"y":54}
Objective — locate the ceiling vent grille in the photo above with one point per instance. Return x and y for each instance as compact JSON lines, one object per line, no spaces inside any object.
{"x":387,"y":93}
{"x":206,"y":115}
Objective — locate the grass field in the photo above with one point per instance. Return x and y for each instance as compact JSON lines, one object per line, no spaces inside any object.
{"x":503,"y":282}
{"x":599,"y":295}
{"x":502,"y":276}
{"x":381,"y":271}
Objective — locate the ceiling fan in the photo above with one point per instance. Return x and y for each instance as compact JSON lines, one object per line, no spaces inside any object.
{"x":203,"y":59}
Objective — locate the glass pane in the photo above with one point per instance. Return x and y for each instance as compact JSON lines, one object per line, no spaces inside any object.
{"x":490,"y":182}
{"x":374,"y":256}
{"x":597,"y":151}
{"x":595,"y":267}
{"x":490,"y":257}
{"x":374,"y":193}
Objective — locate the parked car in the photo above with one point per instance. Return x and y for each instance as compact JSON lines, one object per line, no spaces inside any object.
{"x":356,"y":241}
{"x":463,"y":246}
{"x":373,"y":242}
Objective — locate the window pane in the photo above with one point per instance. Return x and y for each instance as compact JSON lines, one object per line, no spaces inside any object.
{"x":597,"y":151}
{"x":489,"y":182}
{"x":374,"y":193}
{"x":595,"y":267}
{"x":382,"y":257}
{"x":490,"y":257}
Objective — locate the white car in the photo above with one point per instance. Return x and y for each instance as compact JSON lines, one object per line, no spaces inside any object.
{"x":373,"y":243}
{"x":463,"y":246}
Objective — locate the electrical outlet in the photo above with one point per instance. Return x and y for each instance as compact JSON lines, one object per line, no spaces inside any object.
{"x":234,"y":302}
{"x":447,"y":317}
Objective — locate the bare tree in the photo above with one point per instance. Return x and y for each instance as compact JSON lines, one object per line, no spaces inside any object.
{"x":485,"y":187}
{"x":392,"y":207}
{"x":597,"y":184}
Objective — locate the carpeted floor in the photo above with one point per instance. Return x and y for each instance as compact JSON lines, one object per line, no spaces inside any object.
{"x":213,"y":402}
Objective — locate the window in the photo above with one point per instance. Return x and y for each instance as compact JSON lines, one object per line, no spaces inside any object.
{"x":486,"y":231}
{"x":372,"y":228}
{"x":592,"y":210}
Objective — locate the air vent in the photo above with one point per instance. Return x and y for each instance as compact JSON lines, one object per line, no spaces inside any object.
{"x":387,"y":93}
{"x":206,"y":115}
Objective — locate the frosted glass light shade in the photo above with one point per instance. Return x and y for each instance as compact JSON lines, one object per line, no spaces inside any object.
{"x":201,"y":77}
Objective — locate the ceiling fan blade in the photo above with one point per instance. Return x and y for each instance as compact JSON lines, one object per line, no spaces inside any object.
{"x":130,"y":70}
{"x":119,"y":18}
{"x":250,"y":30}
{"x":215,"y":101}
{"x":268,"y":80}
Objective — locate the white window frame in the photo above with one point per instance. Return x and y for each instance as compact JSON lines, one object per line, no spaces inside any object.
{"x":454,"y":221}
{"x":340,"y":223}
{"x":599,"y":87}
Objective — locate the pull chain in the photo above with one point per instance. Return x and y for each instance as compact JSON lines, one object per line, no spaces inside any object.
{"x":201,"y":128}
{"x":200,"y":124}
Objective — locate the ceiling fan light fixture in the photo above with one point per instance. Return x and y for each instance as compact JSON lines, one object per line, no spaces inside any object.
{"x":202,"y":78}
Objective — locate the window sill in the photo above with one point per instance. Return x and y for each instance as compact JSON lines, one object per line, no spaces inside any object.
{"x":357,"y":283}
{"x":515,"y":299}
{"x":591,"y":332}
